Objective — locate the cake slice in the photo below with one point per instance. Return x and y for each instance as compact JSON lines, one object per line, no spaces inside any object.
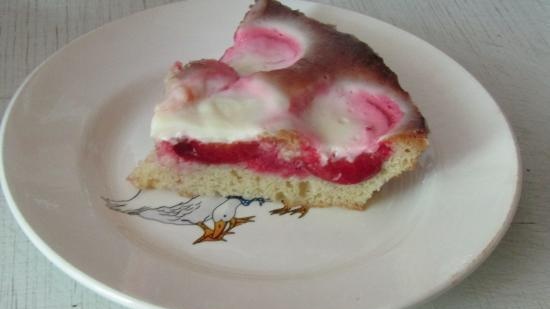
{"x":295,"y":111}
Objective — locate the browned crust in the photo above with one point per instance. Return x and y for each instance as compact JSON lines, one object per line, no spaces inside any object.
{"x":416,"y":138}
{"x":332,"y":52}
{"x":333,"y":55}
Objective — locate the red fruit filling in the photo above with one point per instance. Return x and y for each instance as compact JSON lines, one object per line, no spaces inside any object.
{"x":263,"y":156}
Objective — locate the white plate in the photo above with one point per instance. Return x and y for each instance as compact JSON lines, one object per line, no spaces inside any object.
{"x":79,"y":123}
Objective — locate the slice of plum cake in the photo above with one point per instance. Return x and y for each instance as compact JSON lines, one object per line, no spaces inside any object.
{"x":294,"y":111}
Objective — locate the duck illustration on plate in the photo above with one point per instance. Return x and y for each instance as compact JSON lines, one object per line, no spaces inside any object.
{"x":217,"y":217}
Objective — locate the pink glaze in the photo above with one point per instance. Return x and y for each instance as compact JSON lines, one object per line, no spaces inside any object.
{"x":194,"y":81}
{"x":379,"y":112}
{"x":265,"y":48}
{"x":345,"y":119}
{"x":206,"y":77}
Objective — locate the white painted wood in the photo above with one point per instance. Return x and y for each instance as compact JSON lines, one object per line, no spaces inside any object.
{"x":503,"y":43}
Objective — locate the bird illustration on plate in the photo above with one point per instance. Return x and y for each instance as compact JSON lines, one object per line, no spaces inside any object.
{"x":216,"y":217}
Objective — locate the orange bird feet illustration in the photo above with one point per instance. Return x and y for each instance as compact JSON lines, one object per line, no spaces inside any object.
{"x":221,"y":229}
{"x":302,"y":210}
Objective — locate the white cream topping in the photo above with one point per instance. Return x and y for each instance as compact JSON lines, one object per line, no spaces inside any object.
{"x":344,"y":128}
{"x":337,"y":130}
{"x":340,"y":122}
{"x":341,"y":127}
{"x":246,"y":110}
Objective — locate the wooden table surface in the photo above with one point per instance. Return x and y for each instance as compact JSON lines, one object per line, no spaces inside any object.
{"x":505,"y":44}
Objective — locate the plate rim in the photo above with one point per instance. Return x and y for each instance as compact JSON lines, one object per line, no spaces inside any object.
{"x":132,"y":302}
